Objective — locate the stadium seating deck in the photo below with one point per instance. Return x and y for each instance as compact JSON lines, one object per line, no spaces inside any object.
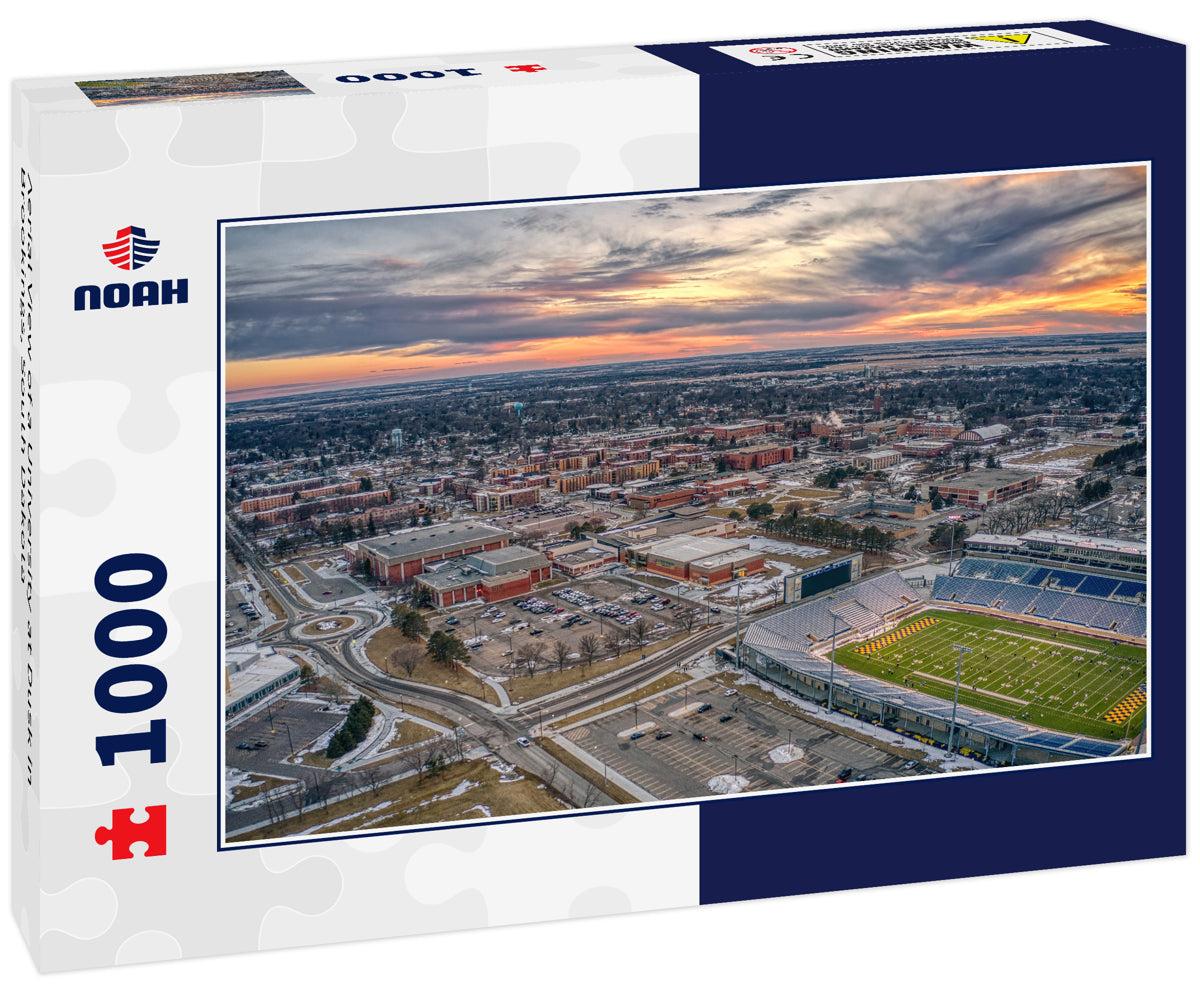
{"x":1095,"y":586}
{"x":1065,"y":580}
{"x":1130,"y":589}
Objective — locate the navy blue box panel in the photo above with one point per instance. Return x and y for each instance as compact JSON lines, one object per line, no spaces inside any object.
{"x":940,"y":115}
{"x":934,"y":114}
{"x":872,"y":834}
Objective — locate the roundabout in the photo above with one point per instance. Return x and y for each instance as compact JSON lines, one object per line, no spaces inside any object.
{"x":327,"y":627}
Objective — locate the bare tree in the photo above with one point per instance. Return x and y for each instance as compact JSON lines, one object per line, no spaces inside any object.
{"x":640,"y":633}
{"x":561,"y":652}
{"x":527,"y":658}
{"x":589,"y":648}
{"x":409,"y":657}
{"x":372,"y":778}
{"x":687,"y":617}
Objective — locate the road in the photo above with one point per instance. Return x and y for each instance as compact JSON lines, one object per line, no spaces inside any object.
{"x":495,"y":729}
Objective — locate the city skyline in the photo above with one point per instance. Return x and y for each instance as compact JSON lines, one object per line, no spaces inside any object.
{"x":326,"y":304}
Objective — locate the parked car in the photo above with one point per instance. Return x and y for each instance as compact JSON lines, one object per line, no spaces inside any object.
{"x":704,"y":707}
{"x":637,"y":734}
{"x":725,"y":719}
{"x":661,"y":735}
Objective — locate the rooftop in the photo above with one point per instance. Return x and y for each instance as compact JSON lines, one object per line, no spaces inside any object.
{"x":412,"y":543}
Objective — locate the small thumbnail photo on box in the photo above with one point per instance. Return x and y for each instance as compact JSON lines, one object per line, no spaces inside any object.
{"x":191,"y":87}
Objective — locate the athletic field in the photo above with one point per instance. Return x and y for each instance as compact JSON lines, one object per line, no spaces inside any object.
{"x":1054,"y":679}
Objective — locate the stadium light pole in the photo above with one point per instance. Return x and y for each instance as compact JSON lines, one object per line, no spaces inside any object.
{"x":957,"y":679}
{"x":738,"y":629}
{"x":833,"y":657}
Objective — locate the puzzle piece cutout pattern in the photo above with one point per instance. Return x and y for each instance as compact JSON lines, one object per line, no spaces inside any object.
{"x":125,"y":832}
{"x":561,"y":867}
{"x":218,"y":134}
{"x":375,"y":173}
{"x":176,"y":896}
{"x":147,"y":397}
{"x":82,"y":144}
{"x":84,"y":910}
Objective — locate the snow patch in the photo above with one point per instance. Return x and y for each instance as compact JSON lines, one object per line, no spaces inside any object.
{"x":727,"y":783}
{"x":786,"y":753}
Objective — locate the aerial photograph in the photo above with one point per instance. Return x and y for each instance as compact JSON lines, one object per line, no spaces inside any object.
{"x":605,"y":502}
{"x":191,"y":87}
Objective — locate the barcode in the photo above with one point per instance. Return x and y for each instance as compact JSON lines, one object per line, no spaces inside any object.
{"x":885,"y":48}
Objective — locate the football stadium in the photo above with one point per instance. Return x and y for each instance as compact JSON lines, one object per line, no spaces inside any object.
{"x":1053,"y":660}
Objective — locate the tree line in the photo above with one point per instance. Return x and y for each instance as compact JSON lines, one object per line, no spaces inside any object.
{"x":830,"y":532}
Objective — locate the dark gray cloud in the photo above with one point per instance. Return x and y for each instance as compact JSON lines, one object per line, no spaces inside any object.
{"x":748,"y":264}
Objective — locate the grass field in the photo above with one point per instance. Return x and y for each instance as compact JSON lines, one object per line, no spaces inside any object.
{"x":1060,"y":681}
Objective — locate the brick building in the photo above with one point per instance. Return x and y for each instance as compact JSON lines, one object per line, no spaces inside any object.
{"x":983,"y":488}
{"x":492,"y":575}
{"x":401,"y":556}
{"x":506,"y":499}
{"x":756,"y":457}
{"x":704,"y":560}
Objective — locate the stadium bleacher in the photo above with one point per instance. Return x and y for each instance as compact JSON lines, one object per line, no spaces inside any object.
{"x":1065,"y":580}
{"x":1037,"y":576}
{"x":1130,"y":589}
{"x":1096,"y":586}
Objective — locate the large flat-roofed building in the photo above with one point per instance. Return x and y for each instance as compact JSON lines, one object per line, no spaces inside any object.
{"x":401,"y":556}
{"x":252,"y":673}
{"x":633,"y":541}
{"x":1095,"y":551}
{"x":506,"y":499}
{"x":581,"y":557}
{"x":880,"y":459}
{"x":491,"y":575}
{"x":756,"y":457}
{"x":922,"y":447}
{"x":984,"y":488}
{"x":705,"y":560}
{"x":1065,"y":549}
{"x":661,"y":497}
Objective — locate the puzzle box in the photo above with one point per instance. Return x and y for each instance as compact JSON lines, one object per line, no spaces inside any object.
{"x":573,"y":464}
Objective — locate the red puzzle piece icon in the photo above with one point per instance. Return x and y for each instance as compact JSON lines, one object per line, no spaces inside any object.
{"x":124,"y":832}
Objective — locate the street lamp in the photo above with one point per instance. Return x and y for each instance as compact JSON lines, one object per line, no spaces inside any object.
{"x":957,"y":679}
{"x":833,"y":657}
{"x":291,"y":746}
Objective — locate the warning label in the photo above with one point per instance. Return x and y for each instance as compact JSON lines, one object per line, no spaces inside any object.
{"x":792,"y":53}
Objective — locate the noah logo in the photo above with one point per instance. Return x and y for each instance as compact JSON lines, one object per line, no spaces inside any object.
{"x":131,"y":250}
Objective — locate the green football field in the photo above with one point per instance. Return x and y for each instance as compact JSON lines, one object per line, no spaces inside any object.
{"x":1050,"y":678}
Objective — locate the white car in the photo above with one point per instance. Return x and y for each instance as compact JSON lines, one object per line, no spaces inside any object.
{"x":523,"y":741}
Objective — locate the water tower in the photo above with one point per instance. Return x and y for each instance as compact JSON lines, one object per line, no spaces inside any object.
{"x":397,"y":439}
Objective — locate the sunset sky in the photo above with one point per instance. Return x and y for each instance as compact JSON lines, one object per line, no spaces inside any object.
{"x":324,"y":304}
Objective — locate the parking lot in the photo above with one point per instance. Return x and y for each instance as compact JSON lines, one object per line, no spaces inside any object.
{"x":774,"y":749}
{"x":324,"y":590}
{"x":240,"y":621}
{"x":278,"y":728}
{"x":599,"y":606}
